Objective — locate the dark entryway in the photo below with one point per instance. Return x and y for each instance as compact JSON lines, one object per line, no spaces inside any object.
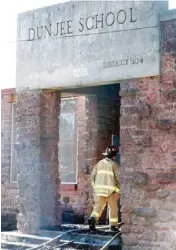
{"x":96,"y":125}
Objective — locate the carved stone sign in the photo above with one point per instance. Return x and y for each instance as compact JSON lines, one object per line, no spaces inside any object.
{"x":123,"y":62}
{"x":99,"y":21}
{"x":88,"y":43}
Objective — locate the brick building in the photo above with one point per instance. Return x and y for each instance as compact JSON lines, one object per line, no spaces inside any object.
{"x":71,"y":143}
{"x":113,"y":74}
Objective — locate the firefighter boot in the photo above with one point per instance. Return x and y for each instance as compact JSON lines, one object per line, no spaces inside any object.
{"x":114,"y":229}
{"x":120,"y":224}
{"x":91,"y":223}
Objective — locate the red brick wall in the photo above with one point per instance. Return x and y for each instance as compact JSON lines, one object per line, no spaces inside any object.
{"x":148,"y":153}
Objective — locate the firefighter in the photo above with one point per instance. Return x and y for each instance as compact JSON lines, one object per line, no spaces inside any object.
{"x":106,"y":184}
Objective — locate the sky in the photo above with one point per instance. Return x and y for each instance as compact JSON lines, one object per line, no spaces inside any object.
{"x":8,"y":14}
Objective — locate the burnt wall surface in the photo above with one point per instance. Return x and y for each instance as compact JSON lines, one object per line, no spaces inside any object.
{"x":148,"y":153}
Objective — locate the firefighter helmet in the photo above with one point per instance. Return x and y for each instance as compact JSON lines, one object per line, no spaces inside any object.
{"x":111,"y":151}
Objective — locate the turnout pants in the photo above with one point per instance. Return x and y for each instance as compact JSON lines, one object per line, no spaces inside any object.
{"x":100,"y":203}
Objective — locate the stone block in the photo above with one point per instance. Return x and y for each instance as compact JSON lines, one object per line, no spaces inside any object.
{"x":153,"y":245}
{"x":145,"y":141}
{"x":130,"y":160}
{"x":152,"y":236}
{"x":144,"y":211}
{"x":126,"y":132}
{"x":173,"y":196}
{"x":128,"y":101}
{"x":139,"y":149}
{"x":162,"y":193}
{"x":129,"y":110}
{"x":126,"y":207}
{"x":18,"y":118}
{"x":126,"y":141}
{"x":86,"y":135}
{"x":20,"y":146}
{"x":139,"y":132}
{"x":164,"y":124}
{"x":35,"y":142}
{"x":165,"y":216}
{"x":139,"y":229}
{"x":130,"y":239}
{"x":166,"y":177}
{"x":152,"y":97}
{"x":128,"y":92}
{"x":152,"y":187}
{"x":144,"y":109}
{"x":174,"y":124}
{"x":126,"y":228}
{"x":140,"y":178}
{"x":126,"y":121}
{"x":126,"y":218}
{"x":170,"y":46}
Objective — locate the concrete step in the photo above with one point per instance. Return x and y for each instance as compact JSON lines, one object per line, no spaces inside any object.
{"x":15,"y":245}
{"x":14,"y":236}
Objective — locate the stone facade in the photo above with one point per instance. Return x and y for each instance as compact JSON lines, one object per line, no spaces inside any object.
{"x":148,"y":144}
{"x":148,"y":151}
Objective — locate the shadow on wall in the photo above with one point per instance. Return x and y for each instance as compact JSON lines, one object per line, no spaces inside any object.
{"x":69,"y":216}
{"x":8,"y":221}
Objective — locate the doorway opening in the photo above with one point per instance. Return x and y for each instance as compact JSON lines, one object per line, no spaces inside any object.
{"x":88,"y":123}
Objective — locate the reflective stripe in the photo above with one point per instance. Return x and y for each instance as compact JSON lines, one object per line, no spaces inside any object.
{"x":104,"y":187}
{"x":105,"y":172}
{"x":114,"y":220}
{"x":102,"y":194}
{"x":116,"y":189}
{"x":95,"y":214}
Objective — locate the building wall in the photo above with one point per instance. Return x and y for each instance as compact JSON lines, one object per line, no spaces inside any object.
{"x":8,"y":189}
{"x":148,"y":145}
{"x":148,"y":158}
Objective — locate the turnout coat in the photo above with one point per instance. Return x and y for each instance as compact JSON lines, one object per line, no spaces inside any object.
{"x":106,"y":177}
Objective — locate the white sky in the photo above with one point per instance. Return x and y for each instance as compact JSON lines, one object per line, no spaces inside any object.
{"x":8,"y":12}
